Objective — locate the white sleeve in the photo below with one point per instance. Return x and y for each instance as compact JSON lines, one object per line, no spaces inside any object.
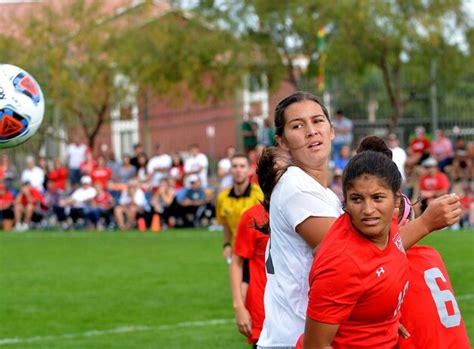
{"x":302,"y":204}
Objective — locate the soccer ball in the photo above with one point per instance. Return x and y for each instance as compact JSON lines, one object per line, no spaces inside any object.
{"x":21,"y":106}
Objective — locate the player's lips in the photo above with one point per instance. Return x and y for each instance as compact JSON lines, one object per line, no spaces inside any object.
{"x":315,"y":145}
{"x":370,"y":221}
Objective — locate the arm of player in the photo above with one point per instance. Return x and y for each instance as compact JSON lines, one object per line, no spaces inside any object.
{"x":242,"y":316}
{"x":227,"y":237}
{"x":318,"y":335}
{"x":441,"y":212}
{"x":313,"y":229}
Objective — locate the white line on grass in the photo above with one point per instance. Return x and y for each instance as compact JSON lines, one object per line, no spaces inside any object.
{"x":117,"y":330}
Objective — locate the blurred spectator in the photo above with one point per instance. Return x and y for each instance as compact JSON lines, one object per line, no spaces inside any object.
{"x":343,"y":129}
{"x":223,"y":168}
{"x":7,"y":171}
{"x":102,"y":207}
{"x":336,"y":184}
{"x":177,"y":171}
{"x":126,"y":171}
{"x":27,"y":206}
{"x":193,"y":201}
{"x":137,"y":152}
{"x":58,"y":174}
{"x":342,"y":159}
{"x":159,"y":165}
{"x":164,"y":203}
{"x":142,"y":172}
{"x":80,"y":202}
{"x":53,"y":201}
{"x":399,"y":156}
{"x":249,"y":129}
{"x":43,"y":163}
{"x":75,"y":155}
{"x":6,"y":208}
{"x":267,"y":133}
{"x":88,"y":165}
{"x":466,"y":198}
{"x":433,"y":183}
{"x":462,"y":162}
{"x":33,"y":174}
{"x":112,"y":163}
{"x":132,"y":204}
{"x":253,"y":158}
{"x":442,"y":150}
{"x":418,"y":150}
{"x":196,"y":163}
{"x":101,"y":174}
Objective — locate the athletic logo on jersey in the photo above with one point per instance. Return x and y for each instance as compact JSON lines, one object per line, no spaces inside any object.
{"x":397,"y":240}
{"x":380,"y":271}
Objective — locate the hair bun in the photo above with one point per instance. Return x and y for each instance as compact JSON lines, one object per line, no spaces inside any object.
{"x":376,"y":144}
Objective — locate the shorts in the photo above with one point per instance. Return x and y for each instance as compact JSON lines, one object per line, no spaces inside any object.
{"x":6,"y":214}
{"x":246,"y":272}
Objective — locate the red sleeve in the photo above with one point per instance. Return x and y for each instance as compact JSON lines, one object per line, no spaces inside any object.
{"x":245,"y":239}
{"x":335,"y":287}
{"x":443,"y":181}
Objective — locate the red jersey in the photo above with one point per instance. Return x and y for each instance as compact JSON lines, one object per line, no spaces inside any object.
{"x":355,"y":284}
{"x":251,"y":244}
{"x":60,"y":176}
{"x":430,"y":312}
{"x":6,"y":200}
{"x":104,"y":199}
{"x":420,"y":145}
{"x":101,"y":175}
{"x":36,"y":197}
{"x":437,"y":182}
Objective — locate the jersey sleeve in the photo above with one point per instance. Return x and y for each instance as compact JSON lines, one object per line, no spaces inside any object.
{"x":219,"y":208}
{"x":245,"y":239}
{"x":303,"y":204}
{"x":335,"y":287}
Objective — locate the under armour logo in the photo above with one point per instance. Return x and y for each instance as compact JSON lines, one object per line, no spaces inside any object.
{"x":380,"y":271}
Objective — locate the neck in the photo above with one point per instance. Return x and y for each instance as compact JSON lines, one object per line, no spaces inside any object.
{"x":319,"y":174}
{"x":239,"y":188}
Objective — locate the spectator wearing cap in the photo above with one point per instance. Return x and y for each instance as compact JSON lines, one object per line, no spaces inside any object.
{"x":132,"y":204}
{"x":343,"y":128}
{"x":80,"y":201}
{"x":27,"y":206}
{"x":6,"y":208}
{"x":442,"y":150}
{"x":193,"y":201}
{"x":399,"y":156}
{"x":197,"y":164}
{"x":159,"y":165}
{"x":33,"y":174}
{"x":433,"y":183}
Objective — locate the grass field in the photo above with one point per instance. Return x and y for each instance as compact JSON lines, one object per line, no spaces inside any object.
{"x":135,"y":290}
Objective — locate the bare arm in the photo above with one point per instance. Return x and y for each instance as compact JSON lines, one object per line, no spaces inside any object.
{"x":227,"y":237}
{"x":318,"y":335}
{"x":441,"y":212}
{"x":313,"y":229}
{"x":242,"y":316}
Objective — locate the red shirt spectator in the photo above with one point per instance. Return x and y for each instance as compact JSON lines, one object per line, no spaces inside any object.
{"x":434,"y":182}
{"x":6,"y":198}
{"x":59,"y":175}
{"x":101,"y":174}
{"x":420,"y":145}
{"x":34,"y":196}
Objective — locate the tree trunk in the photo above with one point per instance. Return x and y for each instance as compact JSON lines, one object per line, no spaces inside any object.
{"x":391,"y":78}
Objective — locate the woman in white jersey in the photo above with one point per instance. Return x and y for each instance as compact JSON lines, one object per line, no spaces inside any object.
{"x":302,"y":208}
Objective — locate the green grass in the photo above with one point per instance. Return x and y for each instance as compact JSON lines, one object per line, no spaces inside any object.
{"x":168,"y":287}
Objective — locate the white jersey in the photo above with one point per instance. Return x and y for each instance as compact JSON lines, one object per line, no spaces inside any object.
{"x":296,"y":197}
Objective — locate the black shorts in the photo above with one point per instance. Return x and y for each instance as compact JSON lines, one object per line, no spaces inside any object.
{"x":6,"y":214}
{"x":246,"y":272}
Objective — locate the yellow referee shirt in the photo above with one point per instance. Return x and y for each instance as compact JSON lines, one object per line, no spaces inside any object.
{"x":229,"y":206}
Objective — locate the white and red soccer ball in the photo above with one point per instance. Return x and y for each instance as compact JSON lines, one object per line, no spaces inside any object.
{"x":21,"y":106}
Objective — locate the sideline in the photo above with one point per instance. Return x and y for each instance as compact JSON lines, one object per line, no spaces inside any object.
{"x":117,"y":330}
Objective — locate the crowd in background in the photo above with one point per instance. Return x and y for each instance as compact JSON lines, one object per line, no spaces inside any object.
{"x":159,"y":190}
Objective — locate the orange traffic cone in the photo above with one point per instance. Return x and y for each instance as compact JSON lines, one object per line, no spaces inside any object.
{"x":141,"y":224}
{"x":155,"y":223}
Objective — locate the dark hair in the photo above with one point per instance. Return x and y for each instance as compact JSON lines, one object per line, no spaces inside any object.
{"x":240,"y":155}
{"x":373,"y":158}
{"x":296,"y":97}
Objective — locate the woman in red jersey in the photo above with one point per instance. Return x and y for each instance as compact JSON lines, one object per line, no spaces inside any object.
{"x":359,"y":275}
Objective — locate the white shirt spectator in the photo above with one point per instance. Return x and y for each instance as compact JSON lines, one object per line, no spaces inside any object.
{"x":399,"y":157}
{"x":82,"y":195}
{"x":76,"y":154}
{"x":159,"y":167}
{"x":223,"y":166}
{"x":35,"y":176}
{"x":138,"y":199}
{"x":196,"y":164}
